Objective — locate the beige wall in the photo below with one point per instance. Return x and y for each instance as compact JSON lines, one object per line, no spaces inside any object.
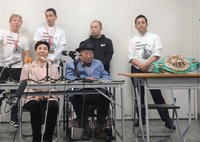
{"x":197,"y":41}
{"x":172,"y":20}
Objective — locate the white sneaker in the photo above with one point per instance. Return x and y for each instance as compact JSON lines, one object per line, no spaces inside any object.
{"x":14,"y":124}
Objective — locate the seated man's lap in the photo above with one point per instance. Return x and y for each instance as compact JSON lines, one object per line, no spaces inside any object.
{"x":91,"y":99}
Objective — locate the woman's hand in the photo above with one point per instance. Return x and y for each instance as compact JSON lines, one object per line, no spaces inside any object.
{"x":46,"y":97}
{"x":38,"y":98}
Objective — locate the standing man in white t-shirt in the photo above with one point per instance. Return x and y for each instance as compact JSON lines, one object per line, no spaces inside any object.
{"x":144,"y":49}
{"x":14,"y":49}
{"x":54,"y":35}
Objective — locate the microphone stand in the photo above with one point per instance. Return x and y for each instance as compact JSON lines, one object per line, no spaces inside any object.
{"x":10,"y":69}
{"x":62,"y":70}
{"x":73,"y":56}
{"x":76,"y":67}
{"x":47,"y":72}
{"x":10,"y":77}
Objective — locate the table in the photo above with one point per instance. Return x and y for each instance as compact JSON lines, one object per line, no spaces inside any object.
{"x":167,"y":81}
{"x":65,"y":85}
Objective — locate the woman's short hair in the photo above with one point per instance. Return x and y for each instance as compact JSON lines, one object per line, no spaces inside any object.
{"x":42,"y":42}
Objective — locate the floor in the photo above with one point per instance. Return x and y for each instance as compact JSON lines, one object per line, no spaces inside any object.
{"x":7,"y":132}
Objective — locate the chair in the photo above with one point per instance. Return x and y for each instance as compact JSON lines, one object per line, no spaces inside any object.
{"x":23,"y":110}
{"x":70,"y":122}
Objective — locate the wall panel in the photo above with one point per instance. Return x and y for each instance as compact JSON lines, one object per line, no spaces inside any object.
{"x":171,"y":20}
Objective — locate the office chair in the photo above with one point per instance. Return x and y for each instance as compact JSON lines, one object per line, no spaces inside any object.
{"x":21,"y":134}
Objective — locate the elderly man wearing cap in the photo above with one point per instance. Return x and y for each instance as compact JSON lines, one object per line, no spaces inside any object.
{"x":89,"y":69}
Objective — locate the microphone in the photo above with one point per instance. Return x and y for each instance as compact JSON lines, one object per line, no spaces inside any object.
{"x":70,"y":53}
{"x":14,"y":63}
{"x":13,"y":99}
{"x":44,"y":59}
{"x":29,"y":61}
{"x":21,"y":89}
{"x":65,"y":53}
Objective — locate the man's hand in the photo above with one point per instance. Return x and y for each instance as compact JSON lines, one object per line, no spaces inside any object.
{"x":91,"y":78}
{"x":144,"y":67}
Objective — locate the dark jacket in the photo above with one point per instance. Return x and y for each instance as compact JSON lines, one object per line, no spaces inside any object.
{"x":103,"y":50}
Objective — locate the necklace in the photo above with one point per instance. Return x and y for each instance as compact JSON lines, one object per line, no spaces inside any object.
{"x":50,"y":36}
{"x":15,"y":41}
{"x":40,"y":71}
{"x":41,"y":65}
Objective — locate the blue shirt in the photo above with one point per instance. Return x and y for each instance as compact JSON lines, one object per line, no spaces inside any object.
{"x":95,"y":70}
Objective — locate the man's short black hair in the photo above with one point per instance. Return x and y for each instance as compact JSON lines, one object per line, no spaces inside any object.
{"x":100,"y":24}
{"x":141,"y":16}
{"x":53,"y":10}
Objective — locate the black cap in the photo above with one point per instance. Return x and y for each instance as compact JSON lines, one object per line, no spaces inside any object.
{"x":84,"y":45}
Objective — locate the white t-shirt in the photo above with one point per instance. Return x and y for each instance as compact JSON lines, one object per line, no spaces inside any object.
{"x":142,"y":47}
{"x":11,"y":47}
{"x":55,"y":36}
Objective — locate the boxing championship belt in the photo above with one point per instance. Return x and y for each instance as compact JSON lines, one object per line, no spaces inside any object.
{"x":175,"y":64}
